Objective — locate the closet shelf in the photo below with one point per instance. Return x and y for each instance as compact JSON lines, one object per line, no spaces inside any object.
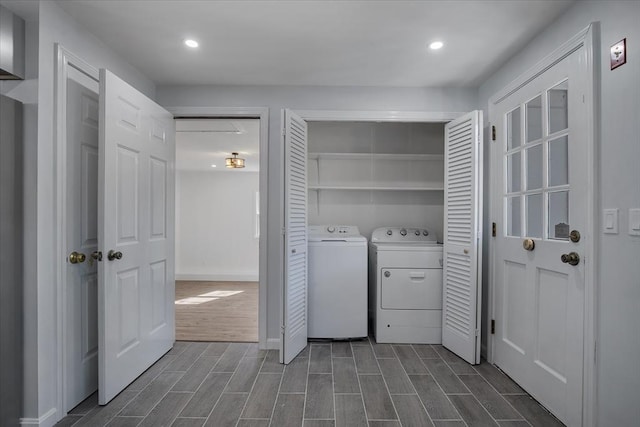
{"x":377,"y":156}
{"x":385,"y":188}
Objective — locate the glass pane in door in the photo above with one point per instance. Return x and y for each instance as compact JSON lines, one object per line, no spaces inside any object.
{"x":534,"y":215}
{"x":513,"y":172}
{"x":534,"y":167}
{"x":559,"y":215}
{"x":559,"y":161}
{"x":513,"y":217}
{"x":513,"y":129}
{"x":558,"y":107}
{"x":534,"y":119}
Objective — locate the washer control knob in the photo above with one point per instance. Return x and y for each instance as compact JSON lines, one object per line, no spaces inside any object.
{"x":331,"y":229}
{"x":403,"y":232}
{"x":425,"y":233}
{"x":417,"y":232}
{"x":389,"y":232}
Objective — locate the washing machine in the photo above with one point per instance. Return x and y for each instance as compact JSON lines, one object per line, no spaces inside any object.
{"x":337,"y":285}
{"x":405,"y":286}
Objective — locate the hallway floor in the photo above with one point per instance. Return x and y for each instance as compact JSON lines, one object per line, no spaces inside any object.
{"x":360,"y":383}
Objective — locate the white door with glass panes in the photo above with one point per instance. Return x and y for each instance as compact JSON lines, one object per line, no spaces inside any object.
{"x":541,"y":176}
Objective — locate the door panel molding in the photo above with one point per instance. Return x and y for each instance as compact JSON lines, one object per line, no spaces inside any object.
{"x":588,"y":38}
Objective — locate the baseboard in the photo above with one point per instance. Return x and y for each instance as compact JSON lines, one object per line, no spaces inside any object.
{"x":222,"y":277}
{"x":273,"y":344}
{"x":47,"y":420}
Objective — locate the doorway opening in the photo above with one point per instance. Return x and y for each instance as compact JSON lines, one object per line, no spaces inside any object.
{"x":217,"y":228}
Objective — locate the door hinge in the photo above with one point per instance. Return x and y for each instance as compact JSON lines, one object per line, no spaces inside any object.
{"x":282,"y":329}
{"x":284,"y":231}
{"x":284,"y":132}
{"x":493,"y":326}
{"x":493,"y":133}
{"x":493,"y":229}
{"x":477,"y":332}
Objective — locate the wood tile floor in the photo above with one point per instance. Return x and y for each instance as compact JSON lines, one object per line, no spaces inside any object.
{"x":351,"y":384}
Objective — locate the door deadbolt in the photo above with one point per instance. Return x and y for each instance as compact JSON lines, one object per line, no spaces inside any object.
{"x":76,"y":257}
{"x":574,"y":236}
{"x":97,"y":255}
{"x":528,"y":244}
{"x":114,"y":255}
{"x":571,"y":258}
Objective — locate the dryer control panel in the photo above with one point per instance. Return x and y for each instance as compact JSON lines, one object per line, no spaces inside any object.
{"x":402,"y":235}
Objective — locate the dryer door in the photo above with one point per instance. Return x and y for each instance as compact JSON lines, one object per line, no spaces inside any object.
{"x":411,"y":288}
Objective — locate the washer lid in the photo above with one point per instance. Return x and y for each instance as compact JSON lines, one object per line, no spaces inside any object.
{"x":408,"y":246}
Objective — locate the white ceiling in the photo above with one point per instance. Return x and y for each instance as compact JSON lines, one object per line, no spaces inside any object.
{"x":335,"y":43}
{"x":201,"y":143}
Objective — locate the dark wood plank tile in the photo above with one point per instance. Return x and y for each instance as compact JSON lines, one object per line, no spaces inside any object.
{"x":449,"y":381}
{"x":365,"y":360}
{"x":253,"y":423}
{"x":320,"y":359}
{"x":449,"y":423}
{"x":472,"y":412}
{"x":341,"y":349}
{"x":216,"y":349}
{"x":142,"y":404}
{"x":294,"y":379}
{"x":395,"y":377}
{"x":227,"y":411}
{"x":383,"y":350}
{"x":166,"y":411}
{"x":457,"y":365}
{"x":318,"y":423}
{"x":103,"y":414}
{"x":495,"y":404}
{"x":125,"y":421}
{"x":242,"y":380}
{"x":377,"y":401}
{"x":188,"y":422}
{"x":533,"y":411}
{"x":425,"y":351}
{"x":501,"y":382}
{"x":230,"y":359}
{"x":384,"y":423}
{"x":178,"y":348}
{"x":187,"y":358}
{"x":86,"y":405}
{"x":68,"y":421}
{"x":255,"y":351}
{"x":410,"y":360}
{"x":150,"y":374}
{"x":350,"y":411}
{"x":433,"y":398}
{"x":272,"y":362}
{"x":345,"y":379}
{"x":288,"y":411}
{"x":319,"y":400}
{"x":511,"y":423}
{"x":206,"y":396}
{"x":363,"y":341}
{"x":192,"y":379}
{"x":263,"y":396}
{"x":410,"y":411}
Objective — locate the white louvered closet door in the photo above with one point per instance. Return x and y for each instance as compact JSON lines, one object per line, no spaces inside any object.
{"x":294,"y":333}
{"x":462,"y":244}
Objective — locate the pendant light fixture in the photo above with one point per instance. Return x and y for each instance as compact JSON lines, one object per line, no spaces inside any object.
{"x":234,"y":162}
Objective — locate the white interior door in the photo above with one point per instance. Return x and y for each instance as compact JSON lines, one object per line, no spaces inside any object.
{"x":136,"y":205}
{"x":295,"y":307}
{"x":461,"y":295}
{"x":81,"y":321}
{"x":540,"y":161}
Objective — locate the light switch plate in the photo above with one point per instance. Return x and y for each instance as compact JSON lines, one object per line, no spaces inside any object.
{"x":619,"y":54}
{"x":610,"y":221}
{"x":634,"y":222}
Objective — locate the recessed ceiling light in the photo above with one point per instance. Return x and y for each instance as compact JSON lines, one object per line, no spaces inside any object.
{"x":436,"y":45}
{"x":191,"y":43}
{"x":214,"y":166}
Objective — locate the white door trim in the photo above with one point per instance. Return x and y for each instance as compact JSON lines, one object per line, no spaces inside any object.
{"x":377,"y":116}
{"x":588,"y":39}
{"x":261,"y":113}
{"x":64,"y":60}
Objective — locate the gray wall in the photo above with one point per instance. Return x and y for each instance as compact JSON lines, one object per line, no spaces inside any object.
{"x":618,"y":281}
{"x":11,"y":261}
{"x":306,"y":98}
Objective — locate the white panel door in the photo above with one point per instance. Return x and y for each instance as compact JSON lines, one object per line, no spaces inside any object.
{"x":539,"y":295}
{"x":136,"y":204}
{"x":461,"y":294}
{"x":295,"y":307}
{"x":81,"y":313}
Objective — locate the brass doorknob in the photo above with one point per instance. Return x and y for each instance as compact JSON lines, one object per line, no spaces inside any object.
{"x":114,"y":255}
{"x":571,"y":258}
{"x":76,"y":257}
{"x":528,"y":244}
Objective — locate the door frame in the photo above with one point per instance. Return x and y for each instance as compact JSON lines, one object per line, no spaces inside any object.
{"x":261,"y":113}
{"x":587,"y":38}
{"x":64,"y":60}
